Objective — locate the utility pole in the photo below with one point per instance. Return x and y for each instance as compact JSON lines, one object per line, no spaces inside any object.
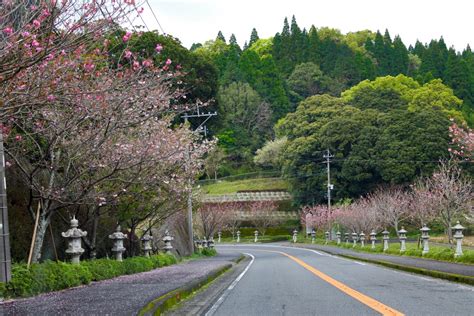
{"x":328,"y":157}
{"x":5,"y":257}
{"x":200,"y":129}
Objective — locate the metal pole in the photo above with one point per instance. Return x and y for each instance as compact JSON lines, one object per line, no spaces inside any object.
{"x":5,"y":257}
{"x":190,"y":201}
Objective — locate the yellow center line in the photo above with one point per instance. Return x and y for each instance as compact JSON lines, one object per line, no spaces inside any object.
{"x":370,"y":302}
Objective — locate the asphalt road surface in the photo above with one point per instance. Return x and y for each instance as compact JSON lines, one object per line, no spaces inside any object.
{"x":287,"y":281}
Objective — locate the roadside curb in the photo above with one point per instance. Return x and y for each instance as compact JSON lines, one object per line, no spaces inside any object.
{"x":171,"y":299}
{"x":432,"y":273}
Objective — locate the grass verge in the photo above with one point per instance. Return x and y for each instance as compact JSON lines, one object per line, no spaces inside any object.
{"x":439,"y":253}
{"x":436,"y":274}
{"x":166,"y":302}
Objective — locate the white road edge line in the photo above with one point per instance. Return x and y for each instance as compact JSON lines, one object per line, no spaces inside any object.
{"x":306,"y":249}
{"x":221,"y":299}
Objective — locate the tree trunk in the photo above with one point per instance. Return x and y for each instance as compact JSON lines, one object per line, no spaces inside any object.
{"x":43,"y":224}
{"x":95,"y":226}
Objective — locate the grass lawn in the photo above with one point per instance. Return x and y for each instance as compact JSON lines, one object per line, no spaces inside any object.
{"x":226,"y":187}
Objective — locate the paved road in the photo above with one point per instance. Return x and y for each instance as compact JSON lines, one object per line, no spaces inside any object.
{"x":288,"y":281}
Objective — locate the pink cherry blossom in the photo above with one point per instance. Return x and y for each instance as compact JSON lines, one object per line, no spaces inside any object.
{"x":51,"y":98}
{"x":158,"y":48}
{"x":168,"y":62}
{"x":128,"y":54}
{"x":147,"y":63}
{"x":89,"y":66}
{"x":127,"y":36}
{"x":36,"y":23}
{"x":8,"y":30}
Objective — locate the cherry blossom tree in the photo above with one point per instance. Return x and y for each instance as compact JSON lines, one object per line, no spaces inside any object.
{"x":213,"y":217}
{"x":462,"y":141}
{"x":262,"y":215}
{"x":451,"y":194}
{"x":391,"y":204}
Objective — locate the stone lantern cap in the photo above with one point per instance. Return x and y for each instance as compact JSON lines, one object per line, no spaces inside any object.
{"x":458,"y":226}
{"x":74,"y":232}
{"x":362,"y":234}
{"x":295,"y":232}
{"x":402,"y":231}
{"x":256,"y":232}
{"x":326,"y":233}
{"x":238,"y":232}
{"x":373,"y":234}
{"x":168,"y":237}
{"x":147,"y":237}
{"x":385,"y":232}
{"x":425,"y":229}
{"x":118,"y":235}
{"x":346,"y":234}
{"x":338,"y":233}
{"x":313,"y":232}
{"x":354,"y":234}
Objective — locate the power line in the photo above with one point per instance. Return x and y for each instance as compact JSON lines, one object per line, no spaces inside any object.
{"x":156,"y":19}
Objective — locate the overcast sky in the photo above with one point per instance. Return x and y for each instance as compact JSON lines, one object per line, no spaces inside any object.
{"x":200,"y":20}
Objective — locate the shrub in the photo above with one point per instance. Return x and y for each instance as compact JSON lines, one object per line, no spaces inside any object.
{"x":137,"y":265}
{"x":53,"y":276}
{"x":209,"y":252}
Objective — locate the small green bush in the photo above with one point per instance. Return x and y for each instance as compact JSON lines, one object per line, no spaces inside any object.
{"x":53,"y":276}
{"x":209,"y":252}
{"x":103,"y":269}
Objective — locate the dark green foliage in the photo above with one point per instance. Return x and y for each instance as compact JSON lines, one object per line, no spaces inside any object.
{"x":253,"y":37}
{"x":375,"y":136}
{"x":54,"y":276}
{"x":208,"y":252}
{"x":220,"y":37}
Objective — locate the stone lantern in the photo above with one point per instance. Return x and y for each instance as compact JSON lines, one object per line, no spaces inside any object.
{"x":256,"y":236}
{"x":385,"y":240}
{"x":338,"y":237}
{"x":313,"y":236}
{"x":146,"y":243}
{"x":402,"y":233}
{"x":118,"y":238}
{"x":167,"y":240}
{"x":198,"y":245}
{"x":373,"y":238}
{"x":74,"y":236}
{"x":326,"y":234}
{"x":346,"y":238}
{"x":238,"y":236}
{"x":425,"y":238}
{"x":354,"y":239}
{"x":295,"y":236}
{"x":204,"y":242}
{"x":219,"y":235}
{"x":458,"y":236}
{"x":362,"y":239}
{"x":211,"y":243}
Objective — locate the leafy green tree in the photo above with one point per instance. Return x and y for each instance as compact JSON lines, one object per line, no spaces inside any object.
{"x":244,"y":112}
{"x":253,"y":37}
{"x":220,"y":37}
{"x":306,"y":80}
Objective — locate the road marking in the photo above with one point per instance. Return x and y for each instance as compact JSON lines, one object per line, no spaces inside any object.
{"x":221,"y":299}
{"x":370,"y":302}
{"x":304,"y":249}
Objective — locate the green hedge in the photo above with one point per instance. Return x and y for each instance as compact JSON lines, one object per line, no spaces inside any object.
{"x":53,"y":276}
